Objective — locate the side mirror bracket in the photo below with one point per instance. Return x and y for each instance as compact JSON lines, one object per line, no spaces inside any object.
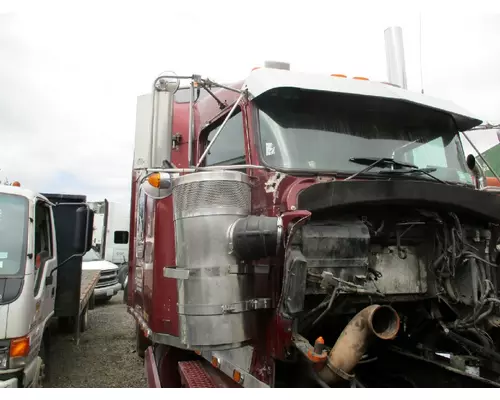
{"x":476,"y":170}
{"x":82,"y":241}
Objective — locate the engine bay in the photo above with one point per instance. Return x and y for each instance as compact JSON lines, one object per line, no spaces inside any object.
{"x":435,"y":269}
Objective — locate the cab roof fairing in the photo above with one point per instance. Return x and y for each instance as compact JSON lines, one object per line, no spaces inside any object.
{"x":261,"y":81}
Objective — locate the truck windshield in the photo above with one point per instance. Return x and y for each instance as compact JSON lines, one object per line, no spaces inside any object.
{"x":319,"y":131}
{"x":13,"y":228}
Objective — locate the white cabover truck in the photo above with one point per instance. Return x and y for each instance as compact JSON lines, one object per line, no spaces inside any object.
{"x":42,"y":240}
{"x":111,"y":241}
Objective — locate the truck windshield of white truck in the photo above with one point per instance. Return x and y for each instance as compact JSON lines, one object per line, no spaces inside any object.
{"x":312,"y":131}
{"x":13,"y":227}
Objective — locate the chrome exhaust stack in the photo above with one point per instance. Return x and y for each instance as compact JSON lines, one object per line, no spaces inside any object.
{"x":394,"y":51}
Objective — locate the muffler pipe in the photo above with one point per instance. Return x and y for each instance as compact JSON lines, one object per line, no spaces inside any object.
{"x":372,"y":322}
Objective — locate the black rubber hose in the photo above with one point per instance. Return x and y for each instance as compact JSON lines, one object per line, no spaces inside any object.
{"x":489,"y":354}
{"x":319,"y":381}
{"x":255,"y":237}
{"x":330,"y":304}
{"x":484,"y":341}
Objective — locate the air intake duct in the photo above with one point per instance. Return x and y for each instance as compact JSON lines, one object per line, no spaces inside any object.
{"x":255,"y":237}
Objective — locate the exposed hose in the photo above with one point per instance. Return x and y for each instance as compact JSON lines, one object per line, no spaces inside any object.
{"x":328,"y":308}
{"x":479,"y":349}
{"x":374,"y":321}
{"x":482,"y":338}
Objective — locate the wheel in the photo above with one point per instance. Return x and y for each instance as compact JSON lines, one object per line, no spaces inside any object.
{"x":125,"y":291}
{"x":92,"y":302}
{"x":141,"y":343}
{"x":167,"y":360}
{"x":66,"y":324}
{"x":122,"y":275}
{"x":84,"y":319}
{"x":106,"y":299}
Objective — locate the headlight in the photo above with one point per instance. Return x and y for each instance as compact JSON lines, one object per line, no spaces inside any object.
{"x":4,"y":357}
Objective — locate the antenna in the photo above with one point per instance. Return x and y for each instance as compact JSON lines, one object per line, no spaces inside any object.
{"x":420,"y":48}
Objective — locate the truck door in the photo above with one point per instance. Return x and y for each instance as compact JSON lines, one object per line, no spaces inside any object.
{"x":120,"y":247}
{"x":45,"y":259}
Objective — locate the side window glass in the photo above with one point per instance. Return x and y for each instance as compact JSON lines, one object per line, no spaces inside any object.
{"x":121,"y":237}
{"x":229,"y":148}
{"x":431,"y":153}
{"x":43,"y":241}
{"x":13,"y":217}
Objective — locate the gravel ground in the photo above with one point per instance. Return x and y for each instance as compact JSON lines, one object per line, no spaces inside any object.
{"x":106,"y":355}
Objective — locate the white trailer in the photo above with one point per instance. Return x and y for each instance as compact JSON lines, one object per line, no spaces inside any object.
{"x":111,"y":230}
{"x":111,"y":234}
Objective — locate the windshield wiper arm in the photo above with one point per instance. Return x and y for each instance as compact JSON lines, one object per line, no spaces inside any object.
{"x":425,"y":171}
{"x":387,"y":162}
{"x":384,"y":161}
{"x":374,"y":162}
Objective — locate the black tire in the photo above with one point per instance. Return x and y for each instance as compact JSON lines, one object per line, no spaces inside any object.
{"x":122,"y":274}
{"x":92,"y":302}
{"x":66,"y":324}
{"x":106,"y":299}
{"x":84,"y":320}
{"x":125,"y":294}
{"x":141,"y":343}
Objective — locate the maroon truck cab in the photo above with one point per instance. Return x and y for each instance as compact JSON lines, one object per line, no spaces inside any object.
{"x":283,"y":224}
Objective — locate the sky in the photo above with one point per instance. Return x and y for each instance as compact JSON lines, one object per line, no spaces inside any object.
{"x":70,"y":72}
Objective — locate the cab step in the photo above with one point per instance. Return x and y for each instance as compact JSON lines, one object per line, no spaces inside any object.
{"x":195,"y":375}
{"x":201,"y":374}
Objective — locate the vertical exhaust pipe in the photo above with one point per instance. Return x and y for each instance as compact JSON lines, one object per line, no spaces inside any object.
{"x":277,"y":65}
{"x":394,"y":51}
{"x":164,"y":89}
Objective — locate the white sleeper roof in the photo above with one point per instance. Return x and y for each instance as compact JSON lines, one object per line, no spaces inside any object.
{"x":265,"y":79}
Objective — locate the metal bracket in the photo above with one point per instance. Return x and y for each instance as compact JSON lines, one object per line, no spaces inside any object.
{"x":327,"y":280}
{"x":172,"y":272}
{"x":176,"y":141}
{"x":341,"y":373}
{"x":249,"y":305}
{"x":218,"y":309}
{"x":186,"y":273}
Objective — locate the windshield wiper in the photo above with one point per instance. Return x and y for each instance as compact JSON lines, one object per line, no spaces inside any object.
{"x":425,"y":171}
{"x":382,"y":162}
{"x":388,"y":162}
